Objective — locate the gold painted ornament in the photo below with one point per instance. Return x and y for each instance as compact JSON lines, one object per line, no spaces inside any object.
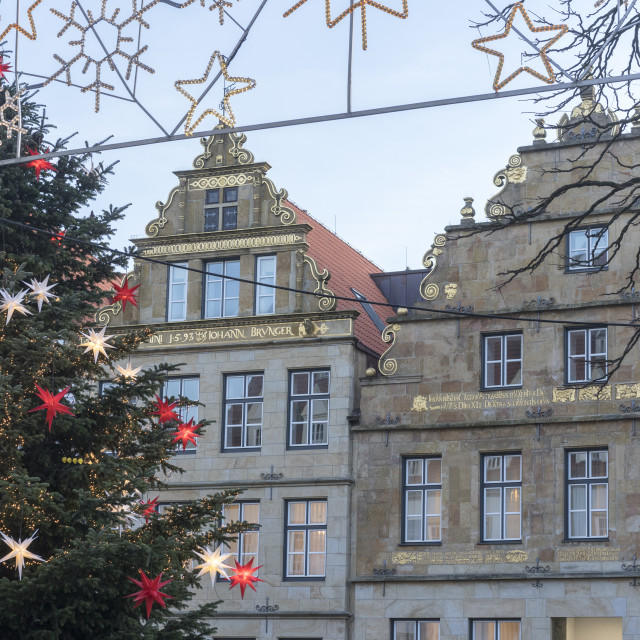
{"x":96,"y":342}
{"x":20,"y":551}
{"x":551,"y":78}
{"x":11,"y":103}
{"x":227,"y":117}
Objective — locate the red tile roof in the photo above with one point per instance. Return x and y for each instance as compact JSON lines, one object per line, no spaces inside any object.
{"x":348,"y":268}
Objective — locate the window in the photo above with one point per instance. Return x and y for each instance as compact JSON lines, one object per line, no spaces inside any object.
{"x":308,"y":408}
{"x":586,"y":354}
{"x":305,"y":538}
{"x":502,"y":361}
{"x":177,"y":293}
{"x":222,"y":295}
{"x":189,"y":389}
{"x":245,"y":548}
{"x":221,"y":209}
{"x":588,"y":494}
{"x":243,"y":411}
{"x":588,"y":249}
{"x":501,"y":496}
{"x":415,"y":630}
{"x":495,"y":630}
{"x":265,"y":274}
{"x":422,"y":493}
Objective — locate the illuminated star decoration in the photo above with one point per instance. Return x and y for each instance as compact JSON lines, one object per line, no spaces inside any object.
{"x":551,"y":78}
{"x":11,"y":123}
{"x":227,"y":116}
{"x":244,"y":577}
{"x":359,"y":4}
{"x":13,"y":303}
{"x":128,"y":373}
{"x":149,"y":591}
{"x":20,"y":551}
{"x":40,"y":164}
{"x":51,"y":403}
{"x":57,"y":238}
{"x":220,"y":5}
{"x":4,"y":66}
{"x":186,"y":433}
{"x":213,"y":563}
{"x":165,"y":410}
{"x":124,"y":293}
{"x":96,"y":342}
{"x":149,"y":508}
{"x":41,"y":291}
{"x":18,"y":28}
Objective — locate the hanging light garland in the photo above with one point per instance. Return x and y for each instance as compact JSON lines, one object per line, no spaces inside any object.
{"x":19,"y":29}
{"x":11,"y":103}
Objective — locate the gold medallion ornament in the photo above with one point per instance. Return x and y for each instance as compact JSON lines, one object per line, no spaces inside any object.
{"x":19,"y":29}
{"x":359,"y":4}
{"x":550,"y":78}
{"x":11,"y":103}
{"x":227,"y":116}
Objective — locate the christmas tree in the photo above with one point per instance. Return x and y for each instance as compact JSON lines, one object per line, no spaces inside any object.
{"x":77,"y":460}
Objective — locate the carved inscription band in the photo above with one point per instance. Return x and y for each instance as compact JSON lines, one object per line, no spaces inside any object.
{"x":229,"y":243}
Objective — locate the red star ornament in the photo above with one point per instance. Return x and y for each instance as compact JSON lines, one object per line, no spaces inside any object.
{"x":51,"y":404}
{"x":149,"y":508}
{"x":125,"y":293}
{"x":4,"y":67}
{"x":186,"y":433}
{"x":244,"y":576}
{"x":149,"y":591}
{"x":41,"y":164}
{"x":518,"y":6}
{"x":57,"y":238}
{"x":165,"y":411}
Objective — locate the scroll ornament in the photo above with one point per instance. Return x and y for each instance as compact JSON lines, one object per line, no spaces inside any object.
{"x":513,"y":173}
{"x":430,"y":261}
{"x":389,"y":366}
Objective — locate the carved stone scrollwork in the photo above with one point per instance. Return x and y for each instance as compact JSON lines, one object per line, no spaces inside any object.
{"x":286,"y":215}
{"x":327,"y":301}
{"x":153,"y":228}
{"x":388,"y":366}
{"x":430,"y":261}
{"x":513,"y":173}
{"x":243,"y":156}
{"x":200,"y":160}
{"x":104,"y":315}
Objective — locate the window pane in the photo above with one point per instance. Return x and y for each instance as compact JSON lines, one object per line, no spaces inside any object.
{"x":254,"y":435}
{"x":512,"y":468}
{"x":578,"y":497}
{"x":297,"y":513}
{"x":598,"y":464}
{"x":265,"y":304}
{"x":251,"y":512}
{"x":509,"y":630}
{"x":598,"y":341}
{"x":317,"y":512}
{"x":172,"y":388}
{"x":514,"y":373}
{"x":434,"y":501}
{"x":299,"y":411}
{"x":577,"y":343}
{"x":254,"y":386}
{"x":212,"y":196}
{"x":318,"y":433}
{"x":433,"y":528}
{"x":316,"y":541}
{"x":434,"y":471}
{"x":190,"y":388}
{"x":493,"y":500}
{"x":514,"y":347}
{"x":320,"y":382}
{"x":414,"y":529}
{"x":578,"y":465}
{"x":494,"y":375}
{"x":414,"y":471}
{"x":211,"y":219}
{"x":299,"y":433}
{"x":213,"y":308}
{"x":300,"y":383}
{"x":254,"y":413}
{"x":493,"y":468}
{"x":320,"y":410}
{"x":231,"y":194}
{"x":229,"y":218}
{"x":512,"y":500}
{"x":316,"y":562}
{"x":599,"y":496}
{"x":234,"y":414}
{"x":493,"y":348}
{"x":414,"y":503}
{"x":231,"y":512}
{"x":483,"y":630}
{"x":492,"y":527}
{"x":405,"y":630}
{"x":266,"y":267}
{"x":429,"y":630}
{"x":234,"y":436}
{"x":235,"y":387}
{"x":578,"y":524}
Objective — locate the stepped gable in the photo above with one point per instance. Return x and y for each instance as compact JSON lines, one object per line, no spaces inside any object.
{"x":348,"y":268}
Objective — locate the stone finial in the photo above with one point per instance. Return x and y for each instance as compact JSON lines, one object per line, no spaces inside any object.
{"x":467,"y":212}
{"x":370,"y":372}
{"x":402,"y":311}
{"x":539,"y":133}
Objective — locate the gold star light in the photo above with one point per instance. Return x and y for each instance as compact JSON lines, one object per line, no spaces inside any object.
{"x":96,"y":342}
{"x":13,"y":123}
{"x":213,"y":563}
{"x":551,"y":78}
{"x":128,"y":373}
{"x":359,"y":4}
{"x":19,"y":551}
{"x":17,"y":27}
{"x":227,"y":116}
{"x":13,"y":303}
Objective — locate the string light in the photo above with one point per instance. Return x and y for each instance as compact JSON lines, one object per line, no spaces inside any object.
{"x":227,"y":116}
{"x":20,"y":551}
{"x":359,"y":4}
{"x":19,"y":29}
{"x":551,"y":78}
{"x":96,"y":342}
{"x":11,"y":103}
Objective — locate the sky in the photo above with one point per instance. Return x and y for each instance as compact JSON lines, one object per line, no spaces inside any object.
{"x":386,"y":184}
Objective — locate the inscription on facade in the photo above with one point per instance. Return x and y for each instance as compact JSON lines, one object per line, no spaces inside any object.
{"x":588,"y":554}
{"x":472,"y":556}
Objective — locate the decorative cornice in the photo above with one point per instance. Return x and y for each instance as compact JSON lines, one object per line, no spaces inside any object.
{"x":513,"y":173}
{"x":258,"y":484}
{"x":430,"y":261}
{"x":388,"y":366}
{"x":286,"y":215}
{"x":215,"y":182}
{"x":327,"y":301}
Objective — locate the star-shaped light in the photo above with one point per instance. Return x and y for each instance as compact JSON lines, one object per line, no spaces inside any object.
{"x":149,"y":508}
{"x":96,"y":342}
{"x":551,"y":78}
{"x":123,"y":512}
{"x":41,"y":291}
{"x":149,"y":591}
{"x":213,"y":563}
{"x":18,"y":28}
{"x":57,"y":238}
{"x":13,"y":303}
{"x":125,"y":293}
{"x":186,"y":433}
{"x":20,"y":551}
{"x":165,"y":410}
{"x":51,"y":403}
{"x":4,"y":66}
{"x":128,"y":373}
{"x":244,"y":577}
{"x":227,"y":116}
{"x":11,"y":105}
{"x":40,"y":164}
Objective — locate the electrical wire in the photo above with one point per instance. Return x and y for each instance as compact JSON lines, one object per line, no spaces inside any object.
{"x":449,"y":312}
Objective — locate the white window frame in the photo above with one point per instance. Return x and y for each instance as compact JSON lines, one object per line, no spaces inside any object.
{"x":186,"y":412}
{"x":503,"y":360}
{"x":497,"y":628}
{"x":420,"y":632}
{"x":225,"y":285}
{"x":307,"y":529}
{"x":245,"y":400}
{"x":589,"y":483}
{"x":588,"y":356}
{"x":310,"y":398}
{"x":594,"y":238}
{"x":175,"y":270}
{"x":503,"y":486}
{"x":265,"y":293}
{"x":237,"y":548}
{"x":428,"y":492}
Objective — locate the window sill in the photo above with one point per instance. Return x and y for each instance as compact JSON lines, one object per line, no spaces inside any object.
{"x":509,"y":388}
{"x":485,"y":543}
{"x":435,"y":543}
{"x":589,"y":540}
{"x":586,"y":269}
{"x":241,"y":450}
{"x":306,"y":447}
{"x":304,"y":579}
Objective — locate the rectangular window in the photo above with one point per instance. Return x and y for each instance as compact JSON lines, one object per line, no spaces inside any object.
{"x":305,"y":539}
{"x":265,"y":274}
{"x":245,"y":548}
{"x":501,"y":488}
{"x":308,"y":408}
{"x":222,"y":295}
{"x":422,"y":504}
{"x":189,"y":389}
{"x":415,"y":630}
{"x":177,"y":292}
{"x":588,"y":249}
{"x":243,"y":411}
{"x":586,"y":354}
{"x":495,"y":630}
{"x":502,"y":361}
{"x":588,"y":494}
{"x":221,"y":209}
